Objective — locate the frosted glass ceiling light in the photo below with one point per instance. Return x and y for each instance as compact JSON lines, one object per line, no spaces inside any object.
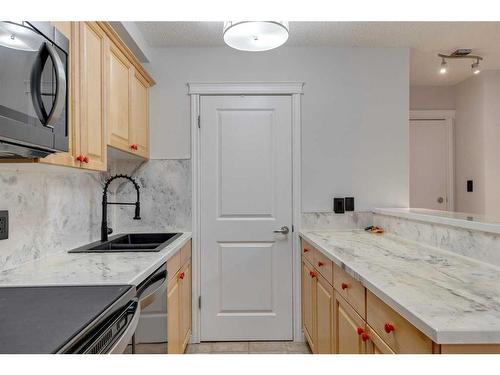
{"x":255,"y":35}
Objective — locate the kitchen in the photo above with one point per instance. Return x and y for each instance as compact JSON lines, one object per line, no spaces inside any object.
{"x":174,"y":189}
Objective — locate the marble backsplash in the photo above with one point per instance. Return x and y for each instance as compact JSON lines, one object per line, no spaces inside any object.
{"x":165,"y":188}
{"x":331,"y":220}
{"x":479,"y":245}
{"x":57,"y":209}
{"x":49,"y":211}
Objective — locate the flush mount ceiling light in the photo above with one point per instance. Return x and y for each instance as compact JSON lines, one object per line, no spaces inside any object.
{"x":460,"y":54}
{"x":255,"y":35}
{"x":18,"y":36}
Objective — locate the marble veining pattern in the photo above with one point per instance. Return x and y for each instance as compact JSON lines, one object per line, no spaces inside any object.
{"x":449,"y":297}
{"x":91,"y":269}
{"x":165,"y":187}
{"x":48,"y":212}
{"x":331,"y":220}
{"x":482,"y":246}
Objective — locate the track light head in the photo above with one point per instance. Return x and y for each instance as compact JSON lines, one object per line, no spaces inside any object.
{"x":444,"y":67}
{"x":475,"y":67}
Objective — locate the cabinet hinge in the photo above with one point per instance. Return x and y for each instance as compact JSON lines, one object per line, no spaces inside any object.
{"x":199,"y":302}
{"x":199,"y":125}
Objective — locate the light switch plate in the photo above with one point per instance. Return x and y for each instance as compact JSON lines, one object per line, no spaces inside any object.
{"x":4,"y":225}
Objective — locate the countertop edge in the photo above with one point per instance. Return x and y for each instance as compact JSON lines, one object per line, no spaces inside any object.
{"x":438,"y":336}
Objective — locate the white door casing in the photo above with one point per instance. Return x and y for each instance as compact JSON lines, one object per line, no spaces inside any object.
{"x":431,"y":163}
{"x":246,"y":180}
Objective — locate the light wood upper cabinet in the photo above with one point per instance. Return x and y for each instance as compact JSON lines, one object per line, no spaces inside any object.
{"x":139,"y":129}
{"x":92,"y":97}
{"x":119,"y":86}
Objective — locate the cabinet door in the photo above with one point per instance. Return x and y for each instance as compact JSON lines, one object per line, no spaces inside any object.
{"x":375,"y":345}
{"x":173,"y":316}
{"x":139,"y":126}
{"x":119,"y":71}
{"x":70,"y":31}
{"x":93,"y":139}
{"x":185,"y":298}
{"x":324,"y":316}
{"x":309,"y":303}
{"x":348,"y":327}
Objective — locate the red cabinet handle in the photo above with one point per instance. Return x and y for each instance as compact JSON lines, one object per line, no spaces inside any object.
{"x":86,"y":159}
{"x":320,"y":264}
{"x":360,"y":330}
{"x":306,"y":250}
{"x":388,"y":327}
{"x":79,"y":158}
{"x":365,"y":337}
{"x":181,"y":275}
{"x":312,"y":273}
{"x":344,"y":286}
{"x":134,"y":146}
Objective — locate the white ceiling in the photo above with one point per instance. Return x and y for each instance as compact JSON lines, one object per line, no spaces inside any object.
{"x":425,"y":40}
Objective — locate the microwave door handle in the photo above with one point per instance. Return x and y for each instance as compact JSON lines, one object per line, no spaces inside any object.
{"x":60,"y":100}
{"x":48,"y":120}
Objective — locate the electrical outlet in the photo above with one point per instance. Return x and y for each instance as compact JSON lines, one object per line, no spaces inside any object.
{"x":4,"y":225}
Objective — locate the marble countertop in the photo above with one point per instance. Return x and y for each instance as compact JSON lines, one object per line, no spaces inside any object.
{"x":451,"y":298}
{"x":91,"y":269}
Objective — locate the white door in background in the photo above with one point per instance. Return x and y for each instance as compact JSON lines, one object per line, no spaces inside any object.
{"x":246,"y":194}
{"x":429,"y":164}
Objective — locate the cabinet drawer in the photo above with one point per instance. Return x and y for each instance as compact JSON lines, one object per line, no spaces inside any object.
{"x":324,"y":266}
{"x":375,"y":345}
{"x":350,"y":289}
{"x":186,"y":253}
{"x":399,"y":334}
{"x":173,"y":265}
{"x":308,"y":251}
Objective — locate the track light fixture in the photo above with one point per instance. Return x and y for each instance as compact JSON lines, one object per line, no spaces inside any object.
{"x":460,"y":54}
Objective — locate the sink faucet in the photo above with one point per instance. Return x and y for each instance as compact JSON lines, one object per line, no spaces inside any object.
{"x":104,"y":224}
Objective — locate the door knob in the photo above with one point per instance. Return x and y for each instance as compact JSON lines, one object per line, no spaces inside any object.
{"x":440,"y":200}
{"x":283,"y":230}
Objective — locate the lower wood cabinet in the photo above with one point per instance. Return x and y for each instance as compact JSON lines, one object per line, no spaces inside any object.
{"x":349,"y":328}
{"x":179,"y":297}
{"x":339,"y":315}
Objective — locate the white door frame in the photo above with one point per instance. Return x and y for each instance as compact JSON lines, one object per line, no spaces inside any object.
{"x":292,"y":89}
{"x":448,"y":117}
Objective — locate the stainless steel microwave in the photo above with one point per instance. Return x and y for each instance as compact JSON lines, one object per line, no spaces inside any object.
{"x":33,"y":90}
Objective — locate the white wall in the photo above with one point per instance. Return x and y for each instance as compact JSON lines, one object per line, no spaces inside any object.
{"x":432,"y":97}
{"x":354,"y":113}
{"x":470,"y":152}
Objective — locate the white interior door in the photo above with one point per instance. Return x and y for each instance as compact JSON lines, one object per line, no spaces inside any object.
{"x":429,"y":164}
{"x":246,"y":194}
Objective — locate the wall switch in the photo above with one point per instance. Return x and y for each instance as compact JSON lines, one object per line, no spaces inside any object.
{"x":4,"y":225}
{"x":349,"y":203}
{"x":338,"y":205}
{"x":470,"y":186}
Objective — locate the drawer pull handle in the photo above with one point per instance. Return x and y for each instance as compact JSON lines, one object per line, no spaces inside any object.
{"x":86,"y":159}
{"x":365,"y":337}
{"x":360,"y":331}
{"x":388,"y":327}
{"x":312,"y":274}
{"x":320,"y":264}
{"x":344,"y":286}
{"x":181,"y":275}
{"x":306,"y":250}
{"x":80,"y":158}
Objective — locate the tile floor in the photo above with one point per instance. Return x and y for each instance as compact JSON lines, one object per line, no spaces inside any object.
{"x":253,"y":347}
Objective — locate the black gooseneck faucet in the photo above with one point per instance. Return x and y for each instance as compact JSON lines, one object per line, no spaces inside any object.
{"x":104,"y":224}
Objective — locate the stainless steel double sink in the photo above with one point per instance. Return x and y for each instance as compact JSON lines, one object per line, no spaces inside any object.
{"x":132,"y":242}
